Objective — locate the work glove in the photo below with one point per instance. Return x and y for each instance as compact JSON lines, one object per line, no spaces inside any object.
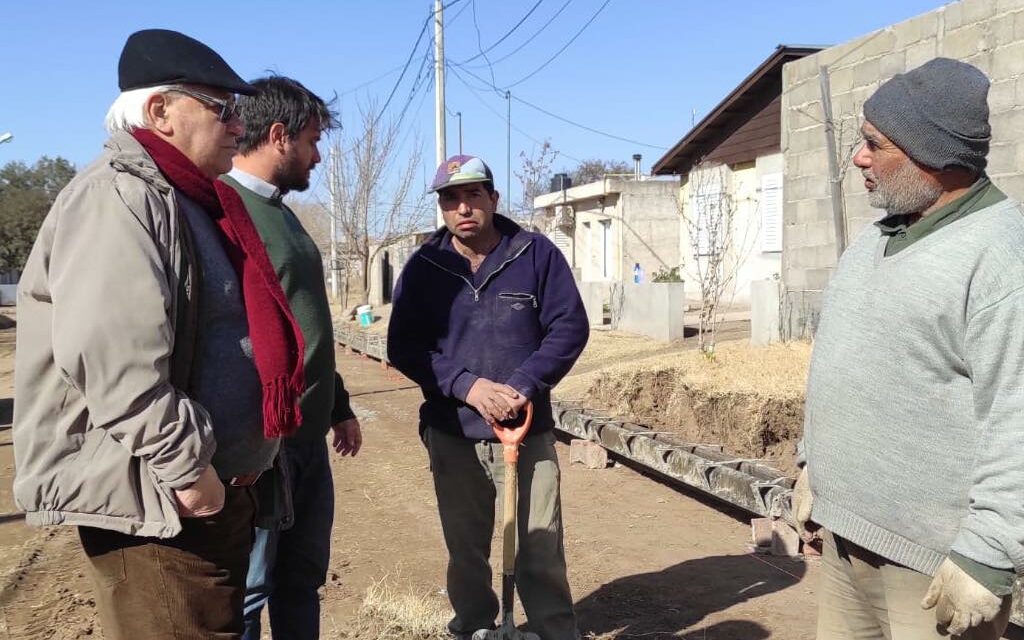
{"x":960,"y":601}
{"x":801,"y":503}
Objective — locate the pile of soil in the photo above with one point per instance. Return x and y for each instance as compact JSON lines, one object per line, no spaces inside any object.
{"x":748,"y":400}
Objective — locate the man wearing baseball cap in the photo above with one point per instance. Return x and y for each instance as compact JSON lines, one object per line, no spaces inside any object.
{"x":158,"y":361}
{"x":914,"y":420}
{"x":486,"y":318}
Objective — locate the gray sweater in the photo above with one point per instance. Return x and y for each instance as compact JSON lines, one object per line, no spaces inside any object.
{"x":914,"y":425}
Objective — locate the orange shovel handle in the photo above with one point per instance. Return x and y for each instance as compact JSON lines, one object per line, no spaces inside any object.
{"x":512,"y":437}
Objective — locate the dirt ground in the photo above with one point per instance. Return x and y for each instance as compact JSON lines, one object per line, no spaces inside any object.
{"x":644,"y":559}
{"x":747,"y":399}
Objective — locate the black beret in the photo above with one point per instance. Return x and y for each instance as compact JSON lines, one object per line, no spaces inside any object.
{"x":153,"y":57}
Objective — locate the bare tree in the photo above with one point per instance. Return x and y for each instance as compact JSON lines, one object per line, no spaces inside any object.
{"x":594,"y":169}
{"x":718,"y":251}
{"x":371,"y":189}
{"x":534,"y":177}
{"x":316,"y":220}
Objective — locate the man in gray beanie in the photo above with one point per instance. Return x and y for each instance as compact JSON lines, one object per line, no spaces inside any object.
{"x":914,"y":421}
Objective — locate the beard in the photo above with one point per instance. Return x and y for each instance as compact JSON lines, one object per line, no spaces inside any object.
{"x":292,"y":177}
{"x":903,"y":191}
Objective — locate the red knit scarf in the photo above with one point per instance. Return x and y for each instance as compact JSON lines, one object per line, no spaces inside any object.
{"x":277,"y":342}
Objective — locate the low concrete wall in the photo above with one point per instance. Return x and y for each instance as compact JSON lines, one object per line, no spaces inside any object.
{"x":652,"y":309}
{"x":764,"y":312}
{"x":595,"y":295}
{"x":8,"y":294}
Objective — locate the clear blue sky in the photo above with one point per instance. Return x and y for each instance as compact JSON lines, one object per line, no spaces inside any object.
{"x":639,"y":71}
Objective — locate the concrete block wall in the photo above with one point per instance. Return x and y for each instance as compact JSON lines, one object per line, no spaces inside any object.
{"x":651,"y":309}
{"x":987,"y":33}
{"x":595,"y":295}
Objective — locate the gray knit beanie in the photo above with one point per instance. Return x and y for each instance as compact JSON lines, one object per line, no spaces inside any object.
{"x":937,"y":114}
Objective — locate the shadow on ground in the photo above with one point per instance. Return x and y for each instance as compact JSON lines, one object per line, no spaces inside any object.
{"x":675,"y":600}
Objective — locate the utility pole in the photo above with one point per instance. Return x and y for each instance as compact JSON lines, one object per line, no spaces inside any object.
{"x":333,"y":182}
{"x":508,"y":153}
{"x":440,"y":154}
{"x":458,"y":114}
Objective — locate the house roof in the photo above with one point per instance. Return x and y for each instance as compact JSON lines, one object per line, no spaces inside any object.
{"x":751,"y":96}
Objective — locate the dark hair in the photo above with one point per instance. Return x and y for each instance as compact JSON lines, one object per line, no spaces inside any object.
{"x":281,"y":99}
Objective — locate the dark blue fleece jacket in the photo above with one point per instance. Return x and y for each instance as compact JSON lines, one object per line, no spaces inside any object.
{"x":518,"y":320}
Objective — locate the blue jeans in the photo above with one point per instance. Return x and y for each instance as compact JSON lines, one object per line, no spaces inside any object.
{"x":287,"y":568}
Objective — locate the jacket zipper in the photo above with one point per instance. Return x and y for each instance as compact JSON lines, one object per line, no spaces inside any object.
{"x":476,"y":291}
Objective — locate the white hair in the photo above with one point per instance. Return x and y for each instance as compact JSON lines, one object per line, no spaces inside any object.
{"x":128,"y":111}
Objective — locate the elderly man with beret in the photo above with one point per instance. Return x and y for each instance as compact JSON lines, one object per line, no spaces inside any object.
{"x":914,"y":421}
{"x":158,"y":361}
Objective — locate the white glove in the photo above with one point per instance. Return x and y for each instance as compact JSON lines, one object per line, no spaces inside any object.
{"x":802,"y":502}
{"x":962,"y":602}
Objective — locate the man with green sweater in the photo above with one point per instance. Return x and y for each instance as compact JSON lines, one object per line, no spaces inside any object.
{"x":914,"y":425}
{"x":288,"y":565}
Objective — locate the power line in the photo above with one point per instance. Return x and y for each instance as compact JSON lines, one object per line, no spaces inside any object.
{"x":559,"y":52}
{"x":397,"y":67}
{"x":528,"y":40}
{"x":564,"y":119}
{"x":504,"y":37}
{"x":473,"y":91}
{"x":479,"y":45}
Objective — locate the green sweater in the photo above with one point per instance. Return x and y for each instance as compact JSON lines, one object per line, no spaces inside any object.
{"x":299,"y":266}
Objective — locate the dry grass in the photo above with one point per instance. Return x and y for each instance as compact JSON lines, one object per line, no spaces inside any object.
{"x":388,"y":613}
{"x":777,"y":370}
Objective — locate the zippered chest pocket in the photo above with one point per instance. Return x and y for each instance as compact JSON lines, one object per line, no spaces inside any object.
{"x":517,"y":317}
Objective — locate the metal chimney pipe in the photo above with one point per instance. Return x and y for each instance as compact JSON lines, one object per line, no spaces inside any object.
{"x":636,"y":166}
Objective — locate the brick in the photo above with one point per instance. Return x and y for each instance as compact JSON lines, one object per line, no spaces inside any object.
{"x":805,"y":91}
{"x":967,"y":41}
{"x":840,"y":79}
{"x":867,"y":72}
{"x":804,"y":139}
{"x":1013,"y":185}
{"x":1003,"y":30}
{"x":922,"y":52}
{"x":1018,"y":24}
{"x":809,"y":187}
{"x":1002,"y":158}
{"x":761,"y":532}
{"x":818,"y":279}
{"x":785,"y":540}
{"x":1007,"y":126}
{"x":807,"y":115}
{"x":891,"y":64}
{"x":953,"y":15}
{"x":811,"y":163}
{"x":590,"y":454}
{"x":877,"y":43}
{"x":978,"y":10}
{"x":1002,"y":95}
{"x":1008,"y":61}
{"x":1004,"y":6}
{"x":916,"y":29}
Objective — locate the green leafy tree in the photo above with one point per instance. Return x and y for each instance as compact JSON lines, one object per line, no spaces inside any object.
{"x":26,"y":195}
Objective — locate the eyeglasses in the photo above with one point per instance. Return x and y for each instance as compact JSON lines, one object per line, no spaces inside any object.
{"x":229,"y":108}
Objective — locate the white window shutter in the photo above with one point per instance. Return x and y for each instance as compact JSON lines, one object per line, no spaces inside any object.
{"x":706,"y":209}
{"x":771,"y":212}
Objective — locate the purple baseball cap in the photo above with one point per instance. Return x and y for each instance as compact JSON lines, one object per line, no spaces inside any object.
{"x":458,"y":170}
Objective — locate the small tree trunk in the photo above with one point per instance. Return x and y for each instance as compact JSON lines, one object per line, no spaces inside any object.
{"x":366,"y":280}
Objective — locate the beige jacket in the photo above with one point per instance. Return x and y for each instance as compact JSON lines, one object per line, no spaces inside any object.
{"x":103,"y":433}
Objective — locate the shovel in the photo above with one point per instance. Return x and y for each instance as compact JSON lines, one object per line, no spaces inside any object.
{"x":511,"y":438}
